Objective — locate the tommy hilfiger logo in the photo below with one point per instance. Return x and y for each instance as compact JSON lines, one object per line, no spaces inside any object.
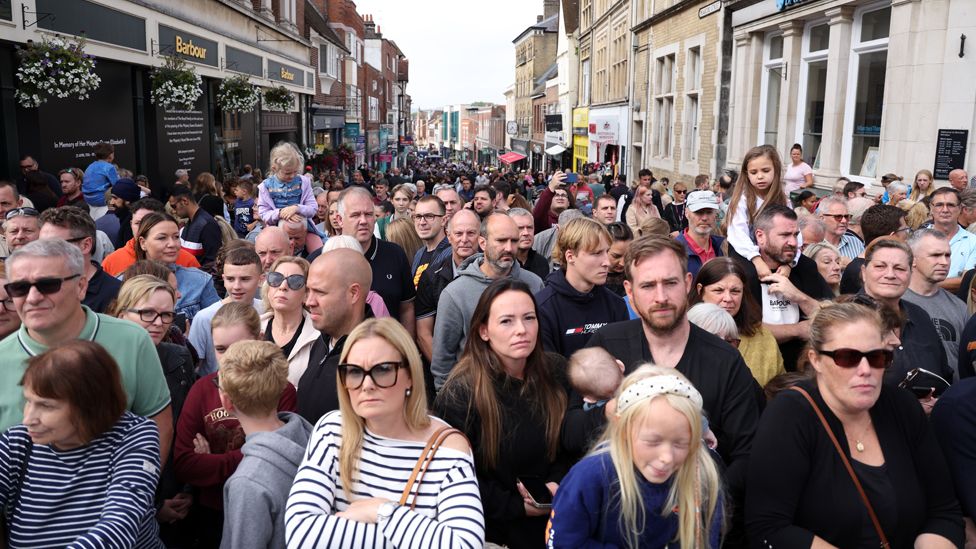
{"x":586,"y":329}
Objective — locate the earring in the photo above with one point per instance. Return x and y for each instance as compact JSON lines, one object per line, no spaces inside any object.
{"x":409,"y":391}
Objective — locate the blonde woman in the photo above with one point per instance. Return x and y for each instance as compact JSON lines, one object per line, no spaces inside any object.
{"x":650,"y":482}
{"x":917,"y":213}
{"x":359,"y":458}
{"x":402,"y":233}
{"x":285,"y":322}
{"x":642,"y":208}
{"x":922,"y":186}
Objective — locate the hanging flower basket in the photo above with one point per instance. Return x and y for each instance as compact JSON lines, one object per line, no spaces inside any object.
{"x":277,"y":99}
{"x":237,"y":94}
{"x":56,"y":68}
{"x":175,"y":85}
{"x":346,"y":155}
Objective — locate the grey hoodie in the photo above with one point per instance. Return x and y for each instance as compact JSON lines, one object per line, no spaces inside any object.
{"x":455,"y":309}
{"x":255,"y":495}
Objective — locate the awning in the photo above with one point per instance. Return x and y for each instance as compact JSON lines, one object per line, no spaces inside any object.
{"x":511,"y":157}
{"x":555,"y":150}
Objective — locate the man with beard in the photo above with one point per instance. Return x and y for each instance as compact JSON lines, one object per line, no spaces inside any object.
{"x":787,"y":303}
{"x":499,"y":240}
{"x":483,"y":202}
{"x":657,"y":285}
{"x":698,"y":239}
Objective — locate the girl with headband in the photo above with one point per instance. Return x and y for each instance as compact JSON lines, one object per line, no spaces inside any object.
{"x":650,"y":482}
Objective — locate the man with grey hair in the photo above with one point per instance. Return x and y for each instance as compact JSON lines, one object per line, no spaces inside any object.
{"x":958,"y":178}
{"x":451,"y":199}
{"x":812,"y":229}
{"x":967,"y":209}
{"x":47,"y":285}
{"x":856,"y":207}
{"x":545,"y":241}
{"x":527,"y":257}
{"x":297,"y":232}
{"x":499,"y":240}
{"x":271,"y":243}
{"x":930,"y":266}
{"x":833,"y":211}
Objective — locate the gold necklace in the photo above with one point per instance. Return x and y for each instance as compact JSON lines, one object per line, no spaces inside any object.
{"x":857,"y":441}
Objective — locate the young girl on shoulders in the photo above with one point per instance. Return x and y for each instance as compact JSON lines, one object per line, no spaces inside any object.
{"x":285,"y":195}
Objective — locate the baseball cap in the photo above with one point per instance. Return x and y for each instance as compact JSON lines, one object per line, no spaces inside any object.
{"x":701,"y":200}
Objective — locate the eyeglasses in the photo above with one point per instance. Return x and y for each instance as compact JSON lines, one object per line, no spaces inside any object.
{"x":8,"y":305}
{"x":851,"y":358}
{"x":946,"y":205}
{"x":676,"y":191}
{"x":295,"y":282}
{"x":904,"y":230}
{"x":46,"y":286}
{"x":76,"y":239}
{"x":839,"y":217}
{"x":427,"y":217}
{"x":149,"y":315}
{"x":29,"y":212}
{"x":384,"y":375}
{"x":562,"y":195}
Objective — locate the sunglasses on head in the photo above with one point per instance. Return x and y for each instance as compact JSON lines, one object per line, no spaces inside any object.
{"x":851,"y":358}
{"x":47,"y":285}
{"x":295,"y":282}
{"x":29,"y":212}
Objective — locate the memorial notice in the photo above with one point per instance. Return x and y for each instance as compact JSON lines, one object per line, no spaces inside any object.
{"x":950,"y":152}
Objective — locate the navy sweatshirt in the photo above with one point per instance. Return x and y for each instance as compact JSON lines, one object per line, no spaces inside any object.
{"x":568,"y":318}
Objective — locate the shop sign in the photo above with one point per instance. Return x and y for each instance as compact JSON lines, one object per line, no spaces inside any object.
{"x":783,"y":4}
{"x":710,"y":9}
{"x":285,"y":73}
{"x":350,"y":131}
{"x":554,"y":122}
{"x":385,"y":157}
{"x":519,"y":146}
{"x":603,"y":130}
{"x":581,"y":118}
{"x":950,"y":152}
{"x":95,"y":21}
{"x":187,"y":46}
{"x":242,"y":61}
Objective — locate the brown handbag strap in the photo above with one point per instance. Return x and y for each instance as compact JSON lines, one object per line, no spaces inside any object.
{"x":423,"y":462}
{"x":847,"y":465}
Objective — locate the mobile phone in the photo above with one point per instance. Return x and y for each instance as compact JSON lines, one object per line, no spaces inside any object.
{"x":922,"y":392}
{"x":538,"y":491}
{"x":571,"y":177}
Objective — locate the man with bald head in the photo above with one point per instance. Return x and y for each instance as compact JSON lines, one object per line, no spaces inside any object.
{"x":297,"y":232}
{"x":499,"y":238}
{"x":271,"y":244}
{"x":959,"y":179}
{"x":338,"y":282}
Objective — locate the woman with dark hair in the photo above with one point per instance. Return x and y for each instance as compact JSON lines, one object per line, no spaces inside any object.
{"x":722,"y":281}
{"x":799,"y":174}
{"x":621,"y":236}
{"x":81,"y":470}
{"x":507,"y":396}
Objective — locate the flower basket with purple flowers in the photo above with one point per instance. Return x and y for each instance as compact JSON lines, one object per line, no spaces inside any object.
{"x":57,"y":68}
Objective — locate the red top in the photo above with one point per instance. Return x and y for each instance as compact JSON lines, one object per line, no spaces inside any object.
{"x":118,"y":261}
{"x":705,"y":255}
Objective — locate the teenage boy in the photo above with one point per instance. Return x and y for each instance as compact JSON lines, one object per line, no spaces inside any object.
{"x":252,"y":376}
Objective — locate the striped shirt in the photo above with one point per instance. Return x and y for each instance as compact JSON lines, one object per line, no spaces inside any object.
{"x":447,"y":514}
{"x":98,"y":495}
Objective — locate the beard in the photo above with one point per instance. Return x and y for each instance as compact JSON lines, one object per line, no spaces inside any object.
{"x":664,"y":326}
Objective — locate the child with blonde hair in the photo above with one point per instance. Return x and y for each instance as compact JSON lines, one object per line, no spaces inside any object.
{"x":285,"y":195}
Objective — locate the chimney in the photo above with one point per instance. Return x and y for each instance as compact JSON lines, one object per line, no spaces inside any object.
{"x":538,"y":18}
{"x":550,"y":8}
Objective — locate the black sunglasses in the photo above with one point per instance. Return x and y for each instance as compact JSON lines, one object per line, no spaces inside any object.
{"x":295,"y":282}
{"x":851,"y":358}
{"x":46,"y":286}
{"x":383,"y":375}
{"x":29,"y":212}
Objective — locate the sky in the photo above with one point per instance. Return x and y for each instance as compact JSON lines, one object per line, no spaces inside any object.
{"x":460,"y":51}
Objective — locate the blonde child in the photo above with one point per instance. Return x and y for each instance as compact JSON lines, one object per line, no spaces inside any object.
{"x":285,"y":195}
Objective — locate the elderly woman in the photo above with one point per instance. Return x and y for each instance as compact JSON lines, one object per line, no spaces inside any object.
{"x":509,"y":398}
{"x":81,"y":470}
{"x":897,"y":191}
{"x":574,"y":296}
{"x":828,"y":260}
{"x":722,"y":282}
{"x":285,"y":322}
{"x":849,"y":461}
{"x":650,"y":482}
{"x":344,"y":494}
{"x":159,"y":240}
{"x":715,"y":320}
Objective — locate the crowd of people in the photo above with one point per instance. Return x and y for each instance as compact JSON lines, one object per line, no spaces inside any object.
{"x":453,"y":355}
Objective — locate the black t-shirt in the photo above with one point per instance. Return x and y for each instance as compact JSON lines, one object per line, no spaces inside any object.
{"x":850,"y":281}
{"x":287,"y":347}
{"x":391,"y":274}
{"x":432,"y":282}
{"x":102,"y":290}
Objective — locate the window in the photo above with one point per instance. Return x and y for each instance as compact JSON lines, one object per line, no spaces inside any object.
{"x":772,"y":82}
{"x":329,"y":60}
{"x":585,"y":82}
{"x":869,"y":59}
{"x":664,"y":77}
{"x":813,"y":90}
{"x":693,"y":84}
{"x":374,"y":109}
{"x":601,"y":60}
{"x":586,"y":14}
{"x":618,"y":67}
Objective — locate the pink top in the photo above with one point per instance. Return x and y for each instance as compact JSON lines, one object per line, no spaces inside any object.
{"x":795,"y":176}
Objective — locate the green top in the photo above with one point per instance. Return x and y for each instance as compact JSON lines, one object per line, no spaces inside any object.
{"x":128,"y":343}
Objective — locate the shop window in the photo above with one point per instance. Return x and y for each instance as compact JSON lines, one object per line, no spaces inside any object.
{"x":813,"y":90}
{"x":869,"y":60}
{"x":772,"y":84}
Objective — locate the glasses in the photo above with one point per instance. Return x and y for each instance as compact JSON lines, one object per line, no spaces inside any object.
{"x":563,"y":195}
{"x":149,"y":315}
{"x":839,"y":217}
{"x":944,"y":205}
{"x":427,"y":217}
{"x":384,"y":375}
{"x":295,"y":282}
{"x":46,"y":286}
{"x":851,"y":358}
{"x":904,"y":230}
{"x":676,"y":191}
{"x":76,"y":239}
{"x":29,"y":212}
{"x":8,"y":305}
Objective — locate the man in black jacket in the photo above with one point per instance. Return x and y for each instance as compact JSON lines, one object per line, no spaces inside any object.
{"x":338,"y":282}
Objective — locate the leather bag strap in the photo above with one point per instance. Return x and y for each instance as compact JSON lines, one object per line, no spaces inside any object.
{"x":423,"y":462}
{"x":847,"y":465}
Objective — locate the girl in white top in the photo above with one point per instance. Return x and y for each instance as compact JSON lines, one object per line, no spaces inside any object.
{"x":759,"y":184}
{"x":359,"y":459}
{"x":799,"y":174}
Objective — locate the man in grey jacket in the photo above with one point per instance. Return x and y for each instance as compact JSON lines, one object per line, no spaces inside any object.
{"x":499,"y":240}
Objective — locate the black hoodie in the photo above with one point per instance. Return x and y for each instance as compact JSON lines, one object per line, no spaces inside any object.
{"x":568,"y":317}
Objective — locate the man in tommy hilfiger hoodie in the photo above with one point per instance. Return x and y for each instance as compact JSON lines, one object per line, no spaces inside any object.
{"x":575,"y":304}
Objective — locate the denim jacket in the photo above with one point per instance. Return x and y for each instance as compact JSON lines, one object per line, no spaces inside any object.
{"x":196,"y":290}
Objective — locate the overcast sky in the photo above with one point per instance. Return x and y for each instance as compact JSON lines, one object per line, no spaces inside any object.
{"x":460,"y":51}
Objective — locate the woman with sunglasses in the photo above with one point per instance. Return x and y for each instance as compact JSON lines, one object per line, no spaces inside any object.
{"x":285,"y":322}
{"x":360,"y":458}
{"x":801,"y":493}
{"x":159,"y":240}
{"x":208,"y":438}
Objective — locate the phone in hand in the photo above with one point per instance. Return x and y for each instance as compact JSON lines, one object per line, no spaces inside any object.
{"x":571,"y":178}
{"x":538,"y":491}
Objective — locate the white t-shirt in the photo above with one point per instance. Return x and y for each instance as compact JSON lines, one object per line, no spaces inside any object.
{"x":777,"y":309}
{"x":795,"y":176}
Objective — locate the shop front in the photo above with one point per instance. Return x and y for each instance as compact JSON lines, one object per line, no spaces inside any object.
{"x":581,"y":140}
{"x":607,"y":133}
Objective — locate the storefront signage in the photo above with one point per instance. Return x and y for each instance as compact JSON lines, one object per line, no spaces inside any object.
{"x":285,"y":73}
{"x":520,"y":146}
{"x":581,"y":118}
{"x":5,"y":10}
{"x":710,"y":9}
{"x":242,"y":61}
{"x":95,"y":21}
{"x":783,"y":4}
{"x":603,"y":129}
{"x":187,"y":46}
{"x":950,"y":152}
{"x":554,"y":122}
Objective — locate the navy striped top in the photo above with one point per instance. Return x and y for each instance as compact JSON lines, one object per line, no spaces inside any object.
{"x":448,"y":511}
{"x":97,"y":495}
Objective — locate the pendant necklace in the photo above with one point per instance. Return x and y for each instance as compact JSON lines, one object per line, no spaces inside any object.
{"x":857,"y":442}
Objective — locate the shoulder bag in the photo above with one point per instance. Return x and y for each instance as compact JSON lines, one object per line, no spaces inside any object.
{"x":424,"y":461}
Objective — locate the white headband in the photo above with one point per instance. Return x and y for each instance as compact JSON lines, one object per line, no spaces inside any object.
{"x":650,"y":387}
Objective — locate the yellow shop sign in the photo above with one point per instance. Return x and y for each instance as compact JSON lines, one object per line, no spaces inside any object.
{"x":187,"y":48}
